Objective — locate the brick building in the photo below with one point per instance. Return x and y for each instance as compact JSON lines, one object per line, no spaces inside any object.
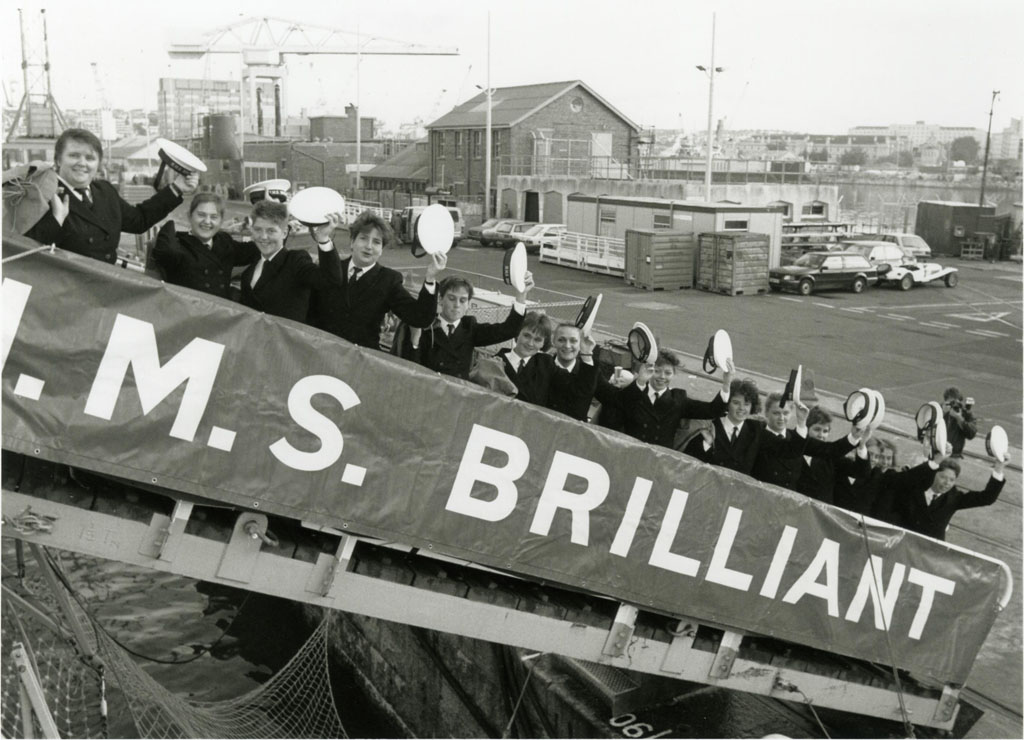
{"x":341,"y":128}
{"x":556,"y":128}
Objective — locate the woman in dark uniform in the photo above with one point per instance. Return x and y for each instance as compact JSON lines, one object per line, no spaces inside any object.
{"x":202,"y":257}
{"x":90,"y":220}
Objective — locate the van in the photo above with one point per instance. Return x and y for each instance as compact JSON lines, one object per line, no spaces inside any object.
{"x":411,"y":214}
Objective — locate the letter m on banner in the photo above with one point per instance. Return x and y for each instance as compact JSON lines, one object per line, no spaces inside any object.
{"x":133,"y":343}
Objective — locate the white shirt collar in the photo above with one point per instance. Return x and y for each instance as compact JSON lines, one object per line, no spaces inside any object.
{"x":729,"y":426}
{"x":569,"y":369}
{"x":271,"y":257}
{"x":208,"y":243}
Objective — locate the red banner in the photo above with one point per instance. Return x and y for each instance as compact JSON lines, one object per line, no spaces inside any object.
{"x":122,"y":374}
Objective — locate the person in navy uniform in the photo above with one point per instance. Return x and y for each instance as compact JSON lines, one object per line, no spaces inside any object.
{"x":202,"y":257}
{"x":447,"y":345}
{"x":926,"y":503}
{"x":90,"y":221}
{"x":355,"y":309}
{"x":650,"y":410}
{"x":281,"y":280}
{"x":574,"y":375}
{"x":532,"y":379}
{"x":827,"y":462}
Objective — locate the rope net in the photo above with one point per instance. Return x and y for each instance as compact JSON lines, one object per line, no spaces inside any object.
{"x":297,"y":702}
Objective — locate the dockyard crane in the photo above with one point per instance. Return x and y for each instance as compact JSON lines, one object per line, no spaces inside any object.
{"x":263,"y":41}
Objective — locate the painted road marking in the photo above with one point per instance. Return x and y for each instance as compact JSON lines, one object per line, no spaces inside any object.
{"x":898,"y":317}
{"x":824,"y":305}
{"x":935,"y":325}
{"x":979,"y":317}
{"x":786,"y":298}
{"x":944,"y":325}
{"x":986,"y":333}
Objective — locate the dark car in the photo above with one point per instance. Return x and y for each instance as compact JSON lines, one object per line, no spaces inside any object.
{"x":825,"y":271}
{"x":476,"y":232}
{"x":492,"y":233}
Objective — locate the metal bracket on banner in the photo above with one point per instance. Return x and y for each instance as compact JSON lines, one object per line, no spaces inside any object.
{"x":327,"y":566}
{"x":621,"y":631}
{"x":726,"y":655}
{"x":946,"y":707}
{"x":239,"y":560}
{"x":678,"y":652}
{"x":165,"y":532}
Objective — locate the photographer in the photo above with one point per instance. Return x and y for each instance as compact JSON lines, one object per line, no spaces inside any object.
{"x":960,"y":422}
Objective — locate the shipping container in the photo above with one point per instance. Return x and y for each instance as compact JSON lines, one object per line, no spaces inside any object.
{"x":735,"y":264}
{"x":659,"y":260}
{"x":948,"y":225}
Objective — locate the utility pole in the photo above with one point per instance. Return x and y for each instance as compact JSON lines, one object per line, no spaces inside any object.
{"x":710,"y":71}
{"x":487,"y":135}
{"x":988,"y":143}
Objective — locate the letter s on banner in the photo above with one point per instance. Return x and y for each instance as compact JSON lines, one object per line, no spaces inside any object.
{"x":307,"y":417}
{"x":472,"y":469}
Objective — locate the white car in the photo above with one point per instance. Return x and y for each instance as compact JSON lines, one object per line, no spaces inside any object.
{"x":909,"y":243}
{"x":540,"y":235}
{"x":905,"y":271}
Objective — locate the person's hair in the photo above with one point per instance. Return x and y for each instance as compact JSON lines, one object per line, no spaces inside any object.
{"x":199,"y":198}
{"x":454,"y":282}
{"x":82,"y":137}
{"x":818,"y":415}
{"x":873,"y":442}
{"x":949,"y":464}
{"x":271,"y":210}
{"x":888,"y":445}
{"x":369,"y":220}
{"x":773,"y":398}
{"x":568,"y":325}
{"x":748,"y":389}
{"x":667,"y":357}
{"x":538,"y":323}
{"x":952,"y":393}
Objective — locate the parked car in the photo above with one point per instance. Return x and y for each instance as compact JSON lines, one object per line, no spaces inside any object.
{"x":825,"y":270}
{"x":541,"y":235}
{"x":910,"y":243}
{"x":514,"y":235}
{"x":411,"y":214}
{"x":792,"y":252}
{"x":879,"y":252}
{"x":475,"y":232}
{"x":488,"y":236}
{"x":905,"y":271}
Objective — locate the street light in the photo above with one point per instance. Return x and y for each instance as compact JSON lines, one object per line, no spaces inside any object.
{"x":710,"y":72}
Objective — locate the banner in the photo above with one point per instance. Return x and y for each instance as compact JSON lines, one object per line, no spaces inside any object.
{"x":122,"y":374}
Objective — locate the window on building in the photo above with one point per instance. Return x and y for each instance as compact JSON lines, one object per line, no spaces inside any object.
{"x":478,"y":144}
{"x":458,"y":145}
{"x":662,"y":220}
{"x":440,"y":144}
{"x":495,"y":144}
{"x":788,"y":212}
{"x":735,"y":224}
{"x":814,"y":208}
{"x":607,"y":214}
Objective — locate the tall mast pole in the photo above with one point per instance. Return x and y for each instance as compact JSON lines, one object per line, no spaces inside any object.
{"x":988,"y":143}
{"x":711,"y":98}
{"x":487,"y":135}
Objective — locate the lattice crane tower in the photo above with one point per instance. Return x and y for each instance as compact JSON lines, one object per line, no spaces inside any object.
{"x":43,"y":117}
{"x":263,"y":42}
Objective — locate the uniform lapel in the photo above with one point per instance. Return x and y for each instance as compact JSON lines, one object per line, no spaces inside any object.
{"x":88,"y":212}
{"x":270,"y":269}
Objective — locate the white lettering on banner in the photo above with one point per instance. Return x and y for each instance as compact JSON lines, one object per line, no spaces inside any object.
{"x":929,"y":584}
{"x":826,"y":559}
{"x":631,"y":517}
{"x":472,"y":469}
{"x":773,"y":578}
{"x":301,"y":409}
{"x":133,"y":343}
{"x":882,"y":599}
{"x":555,"y":497}
{"x":717,"y":570}
{"x":15,"y":298}
{"x":661,"y":554}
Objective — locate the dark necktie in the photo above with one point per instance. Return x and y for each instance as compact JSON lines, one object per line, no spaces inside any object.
{"x":450,"y":328}
{"x":85,"y":195}
{"x":735,"y":434}
{"x":356,"y":271}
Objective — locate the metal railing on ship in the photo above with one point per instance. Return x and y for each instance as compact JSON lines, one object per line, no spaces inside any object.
{"x":601,"y":254}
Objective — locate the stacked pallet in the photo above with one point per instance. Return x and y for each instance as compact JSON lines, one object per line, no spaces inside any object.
{"x":733,"y":263}
{"x":658,"y":259}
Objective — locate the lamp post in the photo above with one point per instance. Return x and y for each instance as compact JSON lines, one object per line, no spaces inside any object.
{"x":988,"y":142}
{"x":487,"y":131}
{"x":710,"y":72}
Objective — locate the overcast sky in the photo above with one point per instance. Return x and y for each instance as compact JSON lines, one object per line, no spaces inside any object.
{"x":817,"y":66}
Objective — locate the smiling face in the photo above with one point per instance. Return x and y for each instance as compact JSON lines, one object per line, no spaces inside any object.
{"x":268,"y":236}
{"x":944,"y":480}
{"x":529,"y":343}
{"x":663,"y":374}
{"x":567,"y":344}
{"x":78,"y":163}
{"x":367,"y":247}
{"x":454,"y":304}
{"x":205,"y":220}
{"x":820,"y":432}
{"x":778,"y":417}
{"x":738,"y":409}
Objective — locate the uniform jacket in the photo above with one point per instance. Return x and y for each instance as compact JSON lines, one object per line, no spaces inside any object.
{"x":95,"y":229}
{"x":828,"y":462}
{"x":656,"y":423}
{"x":572,"y":392}
{"x":184,"y":260}
{"x":932,"y":519}
{"x":453,"y":355}
{"x":354,"y":310}
{"x":287,"y":280}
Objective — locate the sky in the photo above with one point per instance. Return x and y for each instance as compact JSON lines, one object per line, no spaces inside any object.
{"x":819,"y":67}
